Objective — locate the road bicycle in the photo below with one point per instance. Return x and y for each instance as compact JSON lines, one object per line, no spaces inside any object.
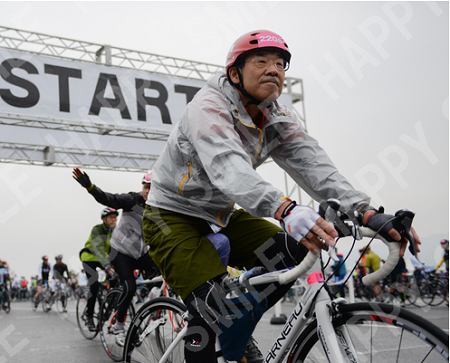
{"x":45,"y":299}
{"x":321,"y":328}
{"x":433,"y":290}
{"x":108,"y":313}
{"x":61,"y":296}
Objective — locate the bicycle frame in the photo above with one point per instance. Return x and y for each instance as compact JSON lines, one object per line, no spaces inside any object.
{"x":335,"y":341}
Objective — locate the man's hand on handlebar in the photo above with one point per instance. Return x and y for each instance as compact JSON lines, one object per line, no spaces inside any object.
{"x":321,"y":232}
{"x":306,"y":226}
{"x":390,"y":228}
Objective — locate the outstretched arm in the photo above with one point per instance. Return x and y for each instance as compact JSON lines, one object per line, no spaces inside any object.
{"x":124,"y":201}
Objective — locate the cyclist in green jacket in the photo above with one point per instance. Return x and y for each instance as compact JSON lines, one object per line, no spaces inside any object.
{"x":95,"y":254}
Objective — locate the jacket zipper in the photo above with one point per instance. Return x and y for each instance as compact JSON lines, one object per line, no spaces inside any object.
{"x":180,"y":191}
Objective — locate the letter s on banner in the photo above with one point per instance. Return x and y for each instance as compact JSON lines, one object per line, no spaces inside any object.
{"x":6,"y":73}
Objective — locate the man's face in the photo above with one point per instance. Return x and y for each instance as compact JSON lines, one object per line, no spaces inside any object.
{"x":263,"y":75}
{"x":145,"y":190}
{"x":111,"y":220}
{"x":444,"y":246}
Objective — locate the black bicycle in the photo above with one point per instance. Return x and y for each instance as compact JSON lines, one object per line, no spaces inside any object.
{"x":433,"y":291}
{"x":81,"y":311}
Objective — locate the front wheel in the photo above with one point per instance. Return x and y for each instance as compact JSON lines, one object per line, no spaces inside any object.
{"x":157,"y":324}
{"x":61,"y":301}
{"x":439,"y":294}
{"x":108,"y":312}
{"x":380,"y":333}
{"x":46,"y":306}
{"x":81,"y":312}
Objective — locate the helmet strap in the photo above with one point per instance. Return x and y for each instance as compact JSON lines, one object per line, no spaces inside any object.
{"x":253,"y":100}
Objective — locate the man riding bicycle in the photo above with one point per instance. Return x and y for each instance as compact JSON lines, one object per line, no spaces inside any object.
{"x":59,"y":269}
{"x":128,"y":249}
{"x":95,"y":255}
{"x":45,"y":270}
{"x":231,"y":127}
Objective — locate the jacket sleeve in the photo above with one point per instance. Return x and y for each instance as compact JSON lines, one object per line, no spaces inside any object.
{"x":229,"y":168}
{"x":125,"y":201}
{"x":98,"y":246}
{"x":67,"y":273}
{"x":309,"y":166}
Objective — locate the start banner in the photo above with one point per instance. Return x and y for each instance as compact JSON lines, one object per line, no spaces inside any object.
{"x":43,"y":86}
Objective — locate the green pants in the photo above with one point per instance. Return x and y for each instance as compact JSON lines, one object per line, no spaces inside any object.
{"x":186,"y":258}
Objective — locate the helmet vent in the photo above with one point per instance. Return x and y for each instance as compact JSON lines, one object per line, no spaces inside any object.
{"x":254,"y":41}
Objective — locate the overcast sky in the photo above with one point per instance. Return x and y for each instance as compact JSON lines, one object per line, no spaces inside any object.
{"x":376,"y":97}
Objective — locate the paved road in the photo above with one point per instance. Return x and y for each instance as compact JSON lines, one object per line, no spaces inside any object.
{"x":38,"y":337}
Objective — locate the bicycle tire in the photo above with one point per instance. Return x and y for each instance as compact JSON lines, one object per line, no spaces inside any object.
{"x":381,"y":331}
{"x":427,"y":293}
{"x":108,"y":313}
{"x":45,"y":301}
{"x":81,"y":309}
{"x":153,"y":329}
{"x":438,"y":293}
{"x":61,"y":301}
{"x":411,"y":296}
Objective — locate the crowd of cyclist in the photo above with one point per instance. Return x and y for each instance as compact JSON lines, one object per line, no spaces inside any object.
{"x":49,"y":275}
{"x":113,"y":256}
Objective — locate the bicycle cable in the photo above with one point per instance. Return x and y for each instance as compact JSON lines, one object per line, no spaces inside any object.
{"x":348,"y":254}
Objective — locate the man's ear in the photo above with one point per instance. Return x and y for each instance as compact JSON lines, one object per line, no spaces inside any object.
{"x":233,"y":73}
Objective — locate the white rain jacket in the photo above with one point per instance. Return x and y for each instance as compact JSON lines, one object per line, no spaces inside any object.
{"x":208,"y":164}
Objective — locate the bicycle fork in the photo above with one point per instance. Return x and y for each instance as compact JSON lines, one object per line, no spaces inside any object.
{"x":336,"y":341}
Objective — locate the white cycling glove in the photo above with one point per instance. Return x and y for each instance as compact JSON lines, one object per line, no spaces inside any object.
{"x":297,"y":220}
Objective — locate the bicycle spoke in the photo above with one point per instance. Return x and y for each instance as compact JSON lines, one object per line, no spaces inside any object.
{"x":379,"y":336}
{"x":399,"y":345}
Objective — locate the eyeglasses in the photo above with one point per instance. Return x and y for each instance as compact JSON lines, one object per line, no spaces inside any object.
{"x":264,"y":62}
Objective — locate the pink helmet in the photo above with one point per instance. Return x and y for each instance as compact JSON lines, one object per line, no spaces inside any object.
{"x":147,"y":179}
{"x":255,"y":40}
{"x":107,"y":211}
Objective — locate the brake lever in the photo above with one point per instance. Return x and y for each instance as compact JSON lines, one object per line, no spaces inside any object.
{"x":406,"y":217}
{"x":329,"y":210}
